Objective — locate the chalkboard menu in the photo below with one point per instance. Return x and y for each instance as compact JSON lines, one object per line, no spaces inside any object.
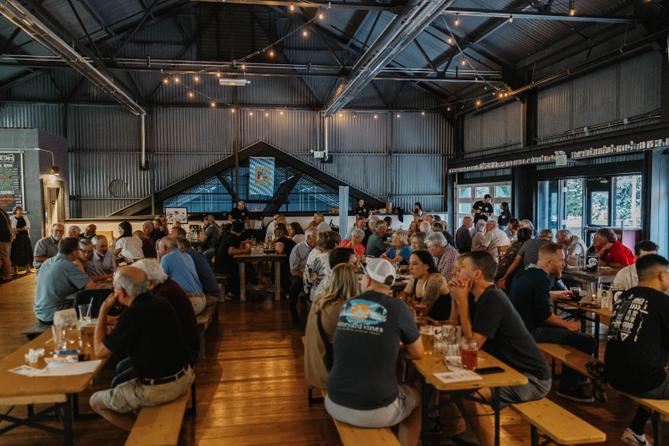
{"x":11,"y":180}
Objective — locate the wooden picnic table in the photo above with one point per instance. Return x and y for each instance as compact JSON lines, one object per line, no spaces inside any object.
{"x":431,"y":364}
{"x":243,"y":259}
{"x":59,"y":391}
{"x":590,"y":279}
{"x":599,"y":316}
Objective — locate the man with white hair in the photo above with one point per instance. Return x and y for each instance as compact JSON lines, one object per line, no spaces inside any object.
{"x":74,"y":231}
{"x":572,"y":244}
{"x":148,"y":331}
{"x":101,"y":263}
{"x":47,"y":247}
{"x":444,"y":254}
{"x":297,"y":261}
{"x":161,"y":285}
{"x":425,"y":227}
{"x":494,"y":240}
{"x":181,"y":268}
{"x":362,"y":387}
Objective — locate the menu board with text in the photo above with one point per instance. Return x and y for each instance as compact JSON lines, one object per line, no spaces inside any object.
{"x":11,"y":180}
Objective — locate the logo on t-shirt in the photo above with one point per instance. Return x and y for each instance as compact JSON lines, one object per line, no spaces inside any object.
{"x":628,"y":319}
{"x":362,"y":315}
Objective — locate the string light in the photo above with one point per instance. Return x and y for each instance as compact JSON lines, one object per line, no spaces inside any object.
{"x":266,"y":115}
{"x":448,"y":108}
{"x":572,"y":10}
{"x":212,"y":104}
{"x":166,"y":81}
{"x":456,"y":22}
{"x":191,"y":94}
{"x":321,"y":16}
{"x":177,"y":79}
{"x":376,"y":116}
{"x":450,"y":40}
{"x":281,"y":112}
{"x":251,"y":113}
{"x":478,"y":102}
{"x":510,"y":19}
{"x":233,"y":110}
{"x":305,"y":33}
{"x":218,"y":75}
{"x":422,"y":113}
{"x":243,"y":67}
{"x":397,"y":116}
{"x":291,"y":8}
{"x":196,"y":79}
{"x":463,"y":62}
{"x":271,"y":53}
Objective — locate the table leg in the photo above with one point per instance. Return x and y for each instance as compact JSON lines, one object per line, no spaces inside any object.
{"x":277,"y":281}
{"x":68,"y":437}
{"x":597,"y":320}
{"x":496,"y":409}
{"x":656,"y":420}
{"x":425,"y":394}
{"x":242,"y":281}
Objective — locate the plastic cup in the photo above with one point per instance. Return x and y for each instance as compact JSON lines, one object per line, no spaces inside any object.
{"x":85,"y":313}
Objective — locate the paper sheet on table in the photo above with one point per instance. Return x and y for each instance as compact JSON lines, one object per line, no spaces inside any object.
{"x":58,"y":369}
{"x":456,"y":376}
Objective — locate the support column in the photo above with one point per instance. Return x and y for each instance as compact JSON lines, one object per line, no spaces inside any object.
{"x":524,"y":188}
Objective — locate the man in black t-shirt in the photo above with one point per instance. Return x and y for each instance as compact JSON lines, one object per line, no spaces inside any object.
{"x":230,"y":246}
{"x":150,"y":332}
{"x":531,"y":295}
{"x":362,"y":385}
{"x":486,"y":313}
{"x":482,"y":209}
{"x":240,"y":212}
{"x":638,"y":341}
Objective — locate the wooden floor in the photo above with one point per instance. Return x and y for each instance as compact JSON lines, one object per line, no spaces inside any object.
{"x":250,"y":389}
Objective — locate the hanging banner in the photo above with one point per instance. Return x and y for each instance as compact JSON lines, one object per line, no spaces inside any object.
{"x":261,"y":176}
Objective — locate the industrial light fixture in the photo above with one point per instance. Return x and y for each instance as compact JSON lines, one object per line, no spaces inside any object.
{"x":191,"y":94}
{"x":397,"y":116}
{"x":510,"y":19}
{"x":376,"y":116}
{"x":271,"y":53}
{"x":305,"y":33}
{"x":321,"y":16}
{"x":572,"y":9}
{"x":450,"y":40}
{"x":212,"y":104}
{"x":196,"y":79}
{"x":266,"y":115}
{"x":456,"y":22}
{"x":233,"y":82}
{"x":291,"y":8}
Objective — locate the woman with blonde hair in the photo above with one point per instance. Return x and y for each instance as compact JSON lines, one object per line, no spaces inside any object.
{"x":322,"y":321}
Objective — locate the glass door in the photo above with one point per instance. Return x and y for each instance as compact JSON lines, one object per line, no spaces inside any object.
{"x":548,"y":205}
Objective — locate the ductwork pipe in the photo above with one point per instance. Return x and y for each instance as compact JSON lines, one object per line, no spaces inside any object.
{"x":142,"y":142}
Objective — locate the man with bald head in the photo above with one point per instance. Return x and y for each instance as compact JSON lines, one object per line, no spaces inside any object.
{"x":47,"y":247}
{"x":89,"y":232}
{"x":149,"y":331}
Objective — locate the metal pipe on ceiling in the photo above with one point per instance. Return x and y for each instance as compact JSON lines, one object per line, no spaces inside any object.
{"x":16,"y":13}
{"x":393,"y":40}
{"x":328,"y":4}
{"x":529,"y":15}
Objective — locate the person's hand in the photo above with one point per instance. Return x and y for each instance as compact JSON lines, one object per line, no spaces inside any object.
{"x":573,"y":326}
{"x":109,"y":302}
{"x":562,"y":295}
{"x":501,"y":284}
{"x":459,"y":290}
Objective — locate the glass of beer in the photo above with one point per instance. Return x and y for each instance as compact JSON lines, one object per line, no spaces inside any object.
{"x":468,"y":352}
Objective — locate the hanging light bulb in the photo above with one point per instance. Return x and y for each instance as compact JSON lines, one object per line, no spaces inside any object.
{"x":321,"y":16}
{"x":281,"y":112}
{"x":243,"y":67}
{"x":463,"y":62}
{"x":448,"y":108}
{"x":191,"y":94}
{"x":166,"y":81}
{"x":291,"y":8}
{"x":456,"y":22}
{"x":422,"y":113}
{"x":305,"y":33}
{"x":271,"y":53}
{"x":177,"y":79}
{"x":572,"y":9}
{"x":218,"y":75}
{"x":478,"y":102}
{"x":266,"y":115}
{"x":450,"y":40}
{"x":233,"y":110}
{"x":251,"y":113}
{"x":376,"y":116}
{"x":196,"y":79}
{"x":397,"y":116}
{"x":510,"y":19}
{"x":212,"y":104}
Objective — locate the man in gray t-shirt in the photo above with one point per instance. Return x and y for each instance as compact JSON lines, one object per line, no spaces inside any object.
{"x":47,"y":247}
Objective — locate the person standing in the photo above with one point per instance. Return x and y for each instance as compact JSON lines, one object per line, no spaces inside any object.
{"x":505,"y":216}
{"x":128,"y":246}
{"x":482,"y":209}
{"x":5,"y":244}
{"x":362,"y":210}
{"x":240,"y":212}
{"x":22,"y":250}
{"x":637,"y":350}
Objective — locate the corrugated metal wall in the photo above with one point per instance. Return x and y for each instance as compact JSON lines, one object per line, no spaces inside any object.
{"x":386,"y":156}
{"x":627,"y":89}
{"x":497,"y":128}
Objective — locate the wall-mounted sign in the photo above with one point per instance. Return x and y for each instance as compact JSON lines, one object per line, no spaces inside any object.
{"x":11,"y":180}
{"x":261,"y":176}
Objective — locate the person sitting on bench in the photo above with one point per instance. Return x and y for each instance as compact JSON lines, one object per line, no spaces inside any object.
{"x":150,"y":332}
{"x":638,"y":341}
{"x":531,"y":295}
{"x":362,"y":387}
{"x":499,"y":330}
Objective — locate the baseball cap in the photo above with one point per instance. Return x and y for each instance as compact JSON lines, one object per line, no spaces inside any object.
{"x":380,"y":270}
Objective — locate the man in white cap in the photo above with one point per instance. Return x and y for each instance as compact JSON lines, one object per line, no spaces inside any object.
{"x":362,"y":387}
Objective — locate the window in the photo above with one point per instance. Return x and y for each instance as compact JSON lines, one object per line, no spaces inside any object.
{"x":547,"y":205}
{"x":464,"y":201}
{"x":208,"y":196}
{"x":573,"y":205}
{"x":627,"y":201}
{"x":599,"y":208}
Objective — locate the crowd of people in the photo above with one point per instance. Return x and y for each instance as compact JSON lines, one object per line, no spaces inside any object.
{"x":497,"y":278}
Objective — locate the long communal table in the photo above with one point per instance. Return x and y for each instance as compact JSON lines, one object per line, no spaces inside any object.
{"x":429,"y":365}
{"x":599,"y":316}
{"x":243,"y":259}
{"x":60,"y":392}
{"x":590,"y":280}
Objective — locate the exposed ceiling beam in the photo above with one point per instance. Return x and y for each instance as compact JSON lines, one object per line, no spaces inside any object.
{"x":529,"y":15}
{"x":16,"y":13}
{"x":393,"y":40}
{"x":181,"y":66}
{"x":346,"y":4}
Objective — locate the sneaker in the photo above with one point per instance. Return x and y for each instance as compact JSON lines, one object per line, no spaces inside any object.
{"x":578,"y":395}
{"x":633,"y":439}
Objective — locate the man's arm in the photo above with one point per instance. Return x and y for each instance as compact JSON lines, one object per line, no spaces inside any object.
{"x":101,"y":350}
{"x":558,"y":322}
{"x":416,"y":349}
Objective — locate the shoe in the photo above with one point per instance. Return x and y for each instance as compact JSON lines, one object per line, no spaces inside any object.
{"x":578,"y":395}
{"x":633,"y":439}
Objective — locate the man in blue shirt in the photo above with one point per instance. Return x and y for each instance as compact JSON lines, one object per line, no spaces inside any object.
{"x":202,"y":267}
{"x":181,"y":268}
{"x":57,"y":279}
{"x":531,"y":295}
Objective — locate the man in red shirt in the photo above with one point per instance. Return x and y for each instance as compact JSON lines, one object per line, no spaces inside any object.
{"x":610,"y":251}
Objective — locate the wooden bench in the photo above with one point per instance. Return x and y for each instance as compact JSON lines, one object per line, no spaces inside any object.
{"x":557,"y":423}
{"x":159,"y":425}
{"x":205,"y":319}
{"x":577,"y":360}
{"x":355,"y":436}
